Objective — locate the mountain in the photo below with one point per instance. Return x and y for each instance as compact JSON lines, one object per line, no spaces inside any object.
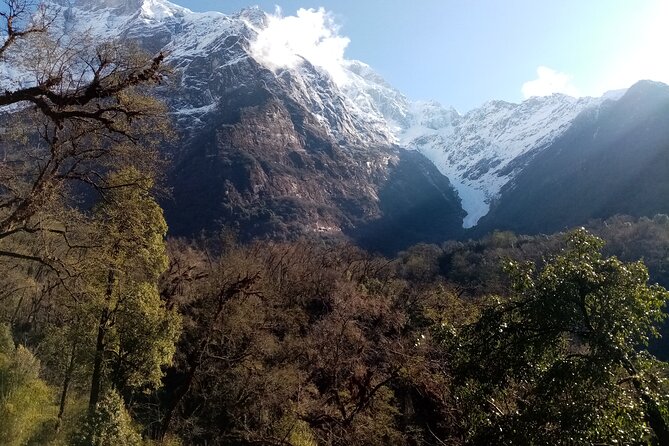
{"x":613,"y":159}
{"x":278,"y":149}
{"x":484,"y":149}
{"x":273,"y":151}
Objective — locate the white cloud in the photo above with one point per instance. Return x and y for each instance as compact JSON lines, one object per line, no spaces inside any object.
{"x":549,"y":81}
{"x":311,"y":34}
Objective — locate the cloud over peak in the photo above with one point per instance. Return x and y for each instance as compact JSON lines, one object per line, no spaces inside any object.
{"x":311,"y":34}
{"x":549,"y":81}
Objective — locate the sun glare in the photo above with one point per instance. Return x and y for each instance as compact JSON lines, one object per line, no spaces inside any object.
{"x":647,"y":57}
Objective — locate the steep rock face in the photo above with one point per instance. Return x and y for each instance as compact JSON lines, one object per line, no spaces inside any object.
{"x":416,"y":207}
{"x":271,"y":152}
{"x":293,"y":150}
{"x":270,"y":172}
{"x":612,"y":160}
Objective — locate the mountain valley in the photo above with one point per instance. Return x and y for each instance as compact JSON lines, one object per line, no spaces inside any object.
{"x":215,"y":229}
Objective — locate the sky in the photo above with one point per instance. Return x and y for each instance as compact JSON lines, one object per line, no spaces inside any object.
{"x":465,"y":52}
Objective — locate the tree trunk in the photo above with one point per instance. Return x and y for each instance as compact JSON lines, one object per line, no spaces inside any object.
{"x":96,"y":380}
{"x":179,"y":394}
{"x":66,"y":386}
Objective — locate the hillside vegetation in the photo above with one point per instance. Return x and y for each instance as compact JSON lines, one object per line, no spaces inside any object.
{"x":113,"y":334}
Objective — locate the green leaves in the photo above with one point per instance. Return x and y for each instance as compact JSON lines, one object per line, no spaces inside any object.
{"x":560,"y":354}
{"x":146,"y":336}
{"x":26,"y":403}
{"x":137,"y":333}
{"x":132,"y":227}
{"x":110,"y":425}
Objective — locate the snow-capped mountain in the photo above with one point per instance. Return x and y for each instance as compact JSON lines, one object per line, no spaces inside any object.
{"x":484,"y":149}
{"x":479,"y":152}
{"x":194,"y":41}
{"x":289,"y":142}
{"x":613,"y":159}
{"x":276,"y":150}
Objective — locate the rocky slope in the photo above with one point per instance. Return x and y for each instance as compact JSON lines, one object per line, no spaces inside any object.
{"x":484,"y":149}
{"x":612,"y":160}
{"x":278,"y":150}
{"x":272,"y":152}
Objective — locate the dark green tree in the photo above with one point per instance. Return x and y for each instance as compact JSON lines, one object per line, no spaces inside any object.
{"x":563,"y":359}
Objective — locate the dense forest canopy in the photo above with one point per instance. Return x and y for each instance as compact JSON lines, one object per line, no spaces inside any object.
{"x":113,"y":334}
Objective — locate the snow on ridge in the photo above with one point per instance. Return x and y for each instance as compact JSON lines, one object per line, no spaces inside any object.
{"x":311,"y":34}
{"x":479,"y":151}
{"x":192,"y":36}
{"x":161,"y":10}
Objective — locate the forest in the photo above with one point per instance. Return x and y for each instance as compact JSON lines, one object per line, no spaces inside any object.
{"x":113,"y":333}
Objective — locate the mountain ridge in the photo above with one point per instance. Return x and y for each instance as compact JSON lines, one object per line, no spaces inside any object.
{"x":272,"y":152}
{"x":346,"y":134}
{"x":612,"y":160}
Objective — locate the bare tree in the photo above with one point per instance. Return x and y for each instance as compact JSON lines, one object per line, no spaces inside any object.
{"x":71,"y":110}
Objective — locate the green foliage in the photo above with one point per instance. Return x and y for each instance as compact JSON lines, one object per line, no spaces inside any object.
{"x":132,"y":226}
{"x":146,"y":336}
{"x":603,"y":300}
{"x":309,"y":343}
{"x":6,"y":342}
{"x":138,"y":333}
{"x":110,"y":425}
{"x":559,"y":359}
{"x":25,"y":400}
{"x":69,"y":276}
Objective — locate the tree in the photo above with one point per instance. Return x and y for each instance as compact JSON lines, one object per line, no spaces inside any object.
{"x":110,"y":425}
{"x":298,"y":343}
{"x":135,"y":332}
{"x":77,"y":109}
{"x":564,"y":356}
{"x":78,"y":122}
{"x":25,"y":400}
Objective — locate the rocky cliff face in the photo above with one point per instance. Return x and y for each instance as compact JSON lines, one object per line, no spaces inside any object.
{"x":286,"y":149}
{"x":271,"y":152}
{"x":613,"y":159}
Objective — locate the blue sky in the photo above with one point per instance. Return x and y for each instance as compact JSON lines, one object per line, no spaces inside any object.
{"x":464,"y":52}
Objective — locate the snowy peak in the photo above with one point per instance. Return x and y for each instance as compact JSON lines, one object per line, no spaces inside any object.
{"x":432,"y":115}
{"x":253,"y":15}
{"x":484,"y":149}
{"x":114,"y":19}
{"x":481,"y":151}
{"x":155,"y":9}
{"x":160,"y":10}
{"x":217,"y":55}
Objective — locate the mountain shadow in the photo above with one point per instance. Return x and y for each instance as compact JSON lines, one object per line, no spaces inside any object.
{"x":613,"y":160}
